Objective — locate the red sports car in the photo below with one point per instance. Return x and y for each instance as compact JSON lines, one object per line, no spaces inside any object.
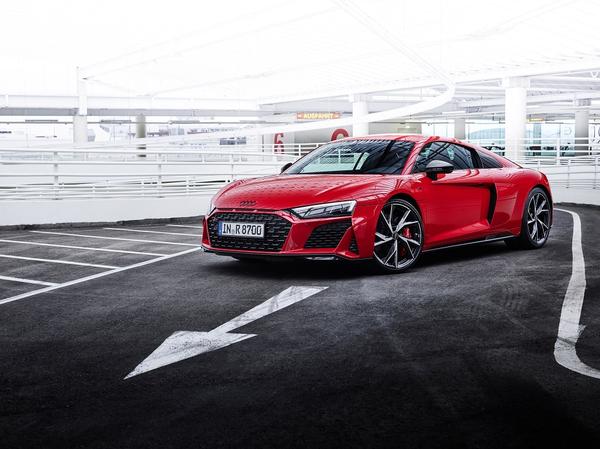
{"x":387,"y":198}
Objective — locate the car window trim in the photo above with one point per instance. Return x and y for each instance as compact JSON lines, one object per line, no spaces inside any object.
{"x":477,"y":163}
{"x":490,"y":156}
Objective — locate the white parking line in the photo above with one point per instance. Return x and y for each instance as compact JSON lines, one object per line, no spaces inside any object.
{"x":185,"y":226}
{"x":157,"y":242}
{"x":27,"y":281}
{"x":85,"y":248}
{"x":570,"y":328}
{"x":153,"y":232}
{"x":65,"y":262}
{"x":95,"y":276}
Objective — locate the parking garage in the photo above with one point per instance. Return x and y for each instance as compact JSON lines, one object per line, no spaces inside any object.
{"x":122,"y":327}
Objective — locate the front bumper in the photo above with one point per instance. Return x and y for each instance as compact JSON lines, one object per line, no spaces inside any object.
{"x":288,"y":235}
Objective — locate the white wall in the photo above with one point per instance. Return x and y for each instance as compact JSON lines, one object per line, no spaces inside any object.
{"x":577,"y":196}
{"x":121,"y":209}
{"x":100,"y":210}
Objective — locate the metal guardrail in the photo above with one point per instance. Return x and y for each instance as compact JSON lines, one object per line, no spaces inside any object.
{"x":183,"y":170}
{"x":42,"y":173}
{"x":546,"y":150}
{"x":581,"y":172}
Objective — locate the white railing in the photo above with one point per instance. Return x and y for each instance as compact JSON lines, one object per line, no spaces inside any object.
{"x":547,"y":151}
{"x":569,"y":163}
{"x":575,"y":173}
{"x":161,"y":171}
{"x":44,"y":173}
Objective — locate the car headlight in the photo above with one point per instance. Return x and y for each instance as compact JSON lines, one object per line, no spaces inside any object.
{"x":338,"y":209}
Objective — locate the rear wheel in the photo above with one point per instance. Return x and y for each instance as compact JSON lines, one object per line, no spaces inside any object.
{"x":398,"y":236}
{"x":535,"y":223}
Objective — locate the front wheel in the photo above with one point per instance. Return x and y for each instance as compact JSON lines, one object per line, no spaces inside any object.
{"x":535,"y":223}
{"x":398,"y":236}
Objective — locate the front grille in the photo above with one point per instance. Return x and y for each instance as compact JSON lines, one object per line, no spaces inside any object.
{"x":327,"y":235}
{"x":276,"y":231}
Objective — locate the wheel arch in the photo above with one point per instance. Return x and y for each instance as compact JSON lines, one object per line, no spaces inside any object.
{"x":547,"y":192}
{"x":545,"y":189}
{"x":413,"y":201}
{"x":410,"y":199}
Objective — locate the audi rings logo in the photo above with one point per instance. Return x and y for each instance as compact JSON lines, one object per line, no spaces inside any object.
{"x":247,"y":203}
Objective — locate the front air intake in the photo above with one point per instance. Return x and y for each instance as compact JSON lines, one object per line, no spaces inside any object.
{"x":328,"y":235}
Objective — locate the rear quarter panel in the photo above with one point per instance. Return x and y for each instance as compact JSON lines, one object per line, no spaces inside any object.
{"x":520,"y":182}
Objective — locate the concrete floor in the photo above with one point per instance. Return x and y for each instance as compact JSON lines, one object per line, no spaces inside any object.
{"x":458,"y":352}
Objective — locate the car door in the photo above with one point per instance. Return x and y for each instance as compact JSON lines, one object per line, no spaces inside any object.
{"x":456,"y":205}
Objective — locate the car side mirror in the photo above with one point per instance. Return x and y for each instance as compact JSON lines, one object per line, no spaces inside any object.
{"x":434,"y":168}
{"x":285,"y":167}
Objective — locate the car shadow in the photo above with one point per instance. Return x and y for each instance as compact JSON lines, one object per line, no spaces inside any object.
{"x":321,"y":270}
{"x":292,"y":269}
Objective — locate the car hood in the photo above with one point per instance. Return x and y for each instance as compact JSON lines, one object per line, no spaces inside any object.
{"x":287,"y":191}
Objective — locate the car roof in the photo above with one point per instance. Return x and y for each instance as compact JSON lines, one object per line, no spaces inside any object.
{"x":416,"y":138}
{"x":421,"y":138}
{"x":408,"y":137}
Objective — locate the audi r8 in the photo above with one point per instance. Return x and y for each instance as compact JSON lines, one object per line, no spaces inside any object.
{"x":385,"y":198}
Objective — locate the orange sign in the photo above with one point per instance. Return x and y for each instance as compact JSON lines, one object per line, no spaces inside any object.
{"x":317,"y":115}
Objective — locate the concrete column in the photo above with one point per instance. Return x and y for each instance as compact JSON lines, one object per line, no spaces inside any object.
{"x":80,"y":132}
{"x":582,"y":125}
{"x":459,"y":128}
{"x":140,"y":131}
{"x":515,"y":113}
{"x":140,"y":126}
{"x":360,"y":107}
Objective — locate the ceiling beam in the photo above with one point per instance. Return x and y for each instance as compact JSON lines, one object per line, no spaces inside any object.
{"x":569,"y":96}
{"x":473,"y":76}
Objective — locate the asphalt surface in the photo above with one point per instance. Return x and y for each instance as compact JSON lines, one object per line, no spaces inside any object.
{"x":457,"y":352}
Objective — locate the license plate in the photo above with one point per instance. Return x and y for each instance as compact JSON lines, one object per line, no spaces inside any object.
{"x":235,"y":229}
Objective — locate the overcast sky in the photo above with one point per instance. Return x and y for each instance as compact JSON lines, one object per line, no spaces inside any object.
{"x":257,"y":48}
{"x":41,"y":42}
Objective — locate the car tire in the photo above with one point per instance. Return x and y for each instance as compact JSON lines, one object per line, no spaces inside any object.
{"x":535,"y":222}
{"x":398,"y":237}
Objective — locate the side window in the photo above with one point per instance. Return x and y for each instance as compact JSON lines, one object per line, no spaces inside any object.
{"x":462,"y":159}
{"x":435,"y":151}
{"x":488,"y":161}
{"x":458,"y":156}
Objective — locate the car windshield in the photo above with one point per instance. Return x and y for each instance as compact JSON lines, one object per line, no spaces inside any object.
{"x":355,"y":157}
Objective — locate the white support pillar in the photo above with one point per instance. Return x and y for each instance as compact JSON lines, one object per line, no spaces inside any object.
{"x":140,"y":131}
{"x":80,"y":134}
{"x":140,"y":126}
{"x":459,"y":128}
{"x":582,"y":126}
{"x":360,"y":107}
{"x":515,"y":113}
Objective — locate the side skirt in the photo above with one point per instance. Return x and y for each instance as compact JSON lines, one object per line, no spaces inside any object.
{"x":472,"y":242}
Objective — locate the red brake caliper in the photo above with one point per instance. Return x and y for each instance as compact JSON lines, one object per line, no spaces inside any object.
{"x":405,"y":232}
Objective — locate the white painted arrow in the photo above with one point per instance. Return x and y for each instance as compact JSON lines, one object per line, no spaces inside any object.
{"x":183,"y":344}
